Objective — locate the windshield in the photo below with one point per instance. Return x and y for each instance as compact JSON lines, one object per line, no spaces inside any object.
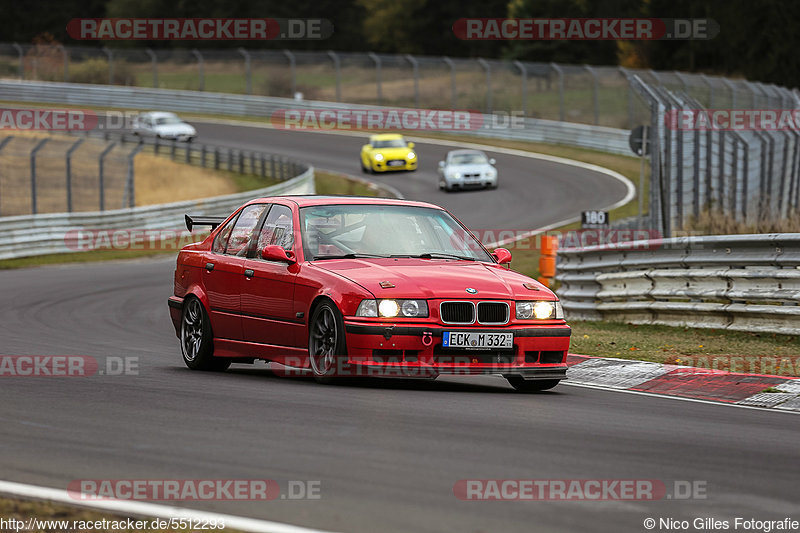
{"x":392,"y":143}
{"x":468,"y":159}
{"x":333,"y":231}
{"x":161,"y":121}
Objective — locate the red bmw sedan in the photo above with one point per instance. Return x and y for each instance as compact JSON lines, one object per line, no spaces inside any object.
{"x":347,"y":286}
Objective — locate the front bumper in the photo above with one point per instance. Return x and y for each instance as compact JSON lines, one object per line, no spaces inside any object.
{"x":383,"y":166}
{"x":539,"y":352}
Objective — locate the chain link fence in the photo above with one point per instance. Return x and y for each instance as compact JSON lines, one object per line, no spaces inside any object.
{"x":81,"y":172}
{"x":582,"y":94}
{"x":705,"y":163}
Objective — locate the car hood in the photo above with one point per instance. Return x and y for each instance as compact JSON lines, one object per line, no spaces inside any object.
{"x":392,"y":153}
{"x":470,"y":169}
{"x":435,"y":278}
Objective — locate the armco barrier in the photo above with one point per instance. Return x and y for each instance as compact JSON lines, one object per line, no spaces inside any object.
{"x":601,"y":138}
{"x":737,"y":282}
{"x":29,"y":235}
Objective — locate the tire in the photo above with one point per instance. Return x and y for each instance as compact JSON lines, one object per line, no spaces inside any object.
{"x":531,"y":385}
{"x":197,"y":343}
{"x":327,"y":346}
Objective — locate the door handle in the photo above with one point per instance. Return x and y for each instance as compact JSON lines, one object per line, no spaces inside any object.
{"x":209,"y":266}
{"x":249,"y":273}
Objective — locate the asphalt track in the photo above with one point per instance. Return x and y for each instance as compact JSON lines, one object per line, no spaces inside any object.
{"x":387,"y":453}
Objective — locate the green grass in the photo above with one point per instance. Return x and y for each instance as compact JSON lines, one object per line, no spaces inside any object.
{"x":760,"y":353}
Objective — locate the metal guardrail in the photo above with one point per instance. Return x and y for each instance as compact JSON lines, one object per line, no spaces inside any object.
{"x":601,"y":138}
{"x":29,"y":235}
{"x":737,"y":282}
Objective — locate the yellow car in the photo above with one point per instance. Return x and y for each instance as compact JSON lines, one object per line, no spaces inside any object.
{"x":388,"y":151}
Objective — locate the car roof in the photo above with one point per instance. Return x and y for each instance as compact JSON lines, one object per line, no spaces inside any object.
{"x":464,"y":152}
{"x":385,"y":136}
{"x":314,"y":200}
{"x":157,"y":114}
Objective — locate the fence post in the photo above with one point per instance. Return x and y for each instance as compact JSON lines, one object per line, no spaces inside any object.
{"x":173,"y":149}
{"x":292,"y":69}
{"x":5,"y":141}
{"x":453,"y":95}
{"x":247,"y":72}
{"x":415,"y":66}
{"x":201,"y":83}
{"x":624,"y":72}
{"x":374,"y":57}
{"x":101,"y":161}
{"x":560,"y":73}
{"x":216,"y":158}
{"x":272,"y":167}
{"x":263,"y":167}
{"x":21,"y":54}
{"x":130,"y":183}
{"x":488,"y":69}
{"x":707,"y":81}
{"x":38,"y":147}
{"x":188,"y":153}
{"x":230,"y":159}
{"x":154,"y":62}
{"x":68,"y":165}
{"x":524,"y":75}
{"x":729,"y":84}
{"x":338,"y":66}
{"x":203,"y":155}
{"x":110,"y":58}
{"x":595,"y":104}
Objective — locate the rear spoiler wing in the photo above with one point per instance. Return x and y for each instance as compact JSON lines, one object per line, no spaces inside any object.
{"x":203,"y":221}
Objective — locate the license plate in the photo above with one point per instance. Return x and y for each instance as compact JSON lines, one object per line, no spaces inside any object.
{"x":396,"y":163}
{"x":477,"y":340}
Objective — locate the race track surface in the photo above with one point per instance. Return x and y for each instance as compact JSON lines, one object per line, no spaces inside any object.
{"x":387,"y":453}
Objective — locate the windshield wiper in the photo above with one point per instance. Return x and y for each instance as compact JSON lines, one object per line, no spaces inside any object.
{"x":347,"y":256}
{"x":437,"y":255}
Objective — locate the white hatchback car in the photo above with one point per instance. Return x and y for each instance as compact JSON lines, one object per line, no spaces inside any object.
{"x":464,"y":169}
{"x":164,"y":125}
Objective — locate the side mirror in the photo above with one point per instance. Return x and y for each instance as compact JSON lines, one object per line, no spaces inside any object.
{"x":441,"y":164}
{"x":273,"y":252}
{"x":492,"y":161}
{"x":502,"y":256}
{"x":411,"y":145}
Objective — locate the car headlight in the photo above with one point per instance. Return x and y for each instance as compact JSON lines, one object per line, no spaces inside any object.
{"x":541,"y":310}
{"x":454,"y":175}
{"x":389,"y":308}
{"x":411,"y":155}
{"x":491,"y":173}
{"x":378,"y":157}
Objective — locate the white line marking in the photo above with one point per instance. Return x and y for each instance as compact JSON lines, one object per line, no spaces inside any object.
{"x":666,"y":397}
{"x":151,"y":510}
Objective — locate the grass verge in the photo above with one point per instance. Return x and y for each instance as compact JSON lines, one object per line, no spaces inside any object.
{"x":78,"y":519}
{"x":736,"y":351}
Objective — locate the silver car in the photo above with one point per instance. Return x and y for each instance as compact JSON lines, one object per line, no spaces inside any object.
{"x":464,"y":169}
{"x":164,"y":125}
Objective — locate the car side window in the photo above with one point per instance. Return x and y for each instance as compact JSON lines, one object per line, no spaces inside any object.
{"x":221,"y":240}
{"x":244,"y":228}
{"x":278,"y":229}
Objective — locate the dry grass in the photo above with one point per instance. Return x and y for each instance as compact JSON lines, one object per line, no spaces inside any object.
{"x":76,"y":516}
{"x":711,"y":223}
{"x":158,"y":179}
